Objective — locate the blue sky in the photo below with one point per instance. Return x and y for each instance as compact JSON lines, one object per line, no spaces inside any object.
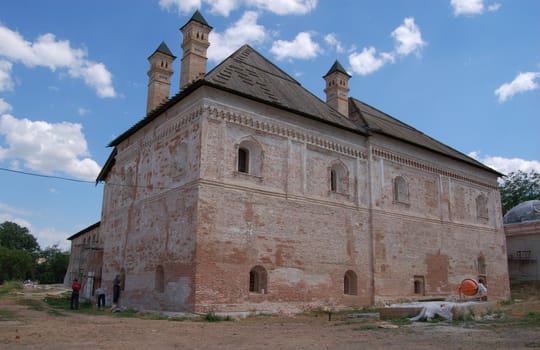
{"x":73,"y":77}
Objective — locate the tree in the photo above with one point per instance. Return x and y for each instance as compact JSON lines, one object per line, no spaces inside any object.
{"x":15,"y":264}
{"x":52,"y":265}
{"x":519,"y":187}
{"x":13,"y":236}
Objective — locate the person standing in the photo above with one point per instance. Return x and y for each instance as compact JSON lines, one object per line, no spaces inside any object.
{"x":75,"y":289}
{"x":116,"y":290}
{"x":100,"y":293}
{"x":482,"y":290}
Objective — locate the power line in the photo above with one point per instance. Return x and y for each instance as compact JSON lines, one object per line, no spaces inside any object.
{"x":46,"y":176}
{"x":83,"y":181}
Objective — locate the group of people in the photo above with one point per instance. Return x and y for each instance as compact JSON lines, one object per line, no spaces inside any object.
{"x":100,"y":294}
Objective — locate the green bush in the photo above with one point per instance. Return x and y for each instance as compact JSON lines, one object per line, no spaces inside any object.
{"x":212,"y":317}
{"x":8,"y":286}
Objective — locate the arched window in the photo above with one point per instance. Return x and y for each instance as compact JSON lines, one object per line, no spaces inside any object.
{"x":243,"y":160}
{"x":482,"y":207}
{"x":339,"y":177}
{"x":350,"y":283}
{"x":481,"y":266}
{"x":258,"y":280}
{"x":159,"y":284}
{"x":249,"y":157}
{"x":180,"y":161}
{"x":333,"y":180}
{"x":401,"y":190}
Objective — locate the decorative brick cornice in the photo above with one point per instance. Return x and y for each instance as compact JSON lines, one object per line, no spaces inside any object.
{"x":412,"y":163}
{"x":285,"y":131}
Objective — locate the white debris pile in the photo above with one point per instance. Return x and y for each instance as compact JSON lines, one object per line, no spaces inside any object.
{"x":446,"y":310}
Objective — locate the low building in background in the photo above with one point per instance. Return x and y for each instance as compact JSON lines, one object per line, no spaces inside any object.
{"x":522,"y":229}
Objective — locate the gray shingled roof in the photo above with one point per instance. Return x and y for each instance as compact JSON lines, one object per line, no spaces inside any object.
{"x":197,"y":17}
{"x":337,"y":67}
{"x":379,"y":122}
{"x":164,"y":49}
{"x":248,"y":72}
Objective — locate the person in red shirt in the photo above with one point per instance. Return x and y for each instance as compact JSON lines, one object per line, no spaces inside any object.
{"x":75,"y":289}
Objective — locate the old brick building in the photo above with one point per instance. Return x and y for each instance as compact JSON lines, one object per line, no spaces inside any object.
{"x":245,"y":192}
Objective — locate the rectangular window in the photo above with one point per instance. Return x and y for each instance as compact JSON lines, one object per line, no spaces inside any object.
{"x":243,"y":160}
{"x":419,"y":285}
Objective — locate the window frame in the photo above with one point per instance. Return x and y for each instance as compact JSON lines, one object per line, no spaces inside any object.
{"x":400,"y":189}
{"x":258,"y":280}
{"x":350,"y":283}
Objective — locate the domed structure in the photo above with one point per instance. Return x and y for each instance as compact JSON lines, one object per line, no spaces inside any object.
{"x":522,"y":230}
{"x":526,"y":211}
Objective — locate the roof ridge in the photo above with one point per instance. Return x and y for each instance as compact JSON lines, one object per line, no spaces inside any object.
{"x":291,"y":79}
{"x":441,"y":144}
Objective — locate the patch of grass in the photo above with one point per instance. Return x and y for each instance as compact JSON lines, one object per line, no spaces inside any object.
{"x":158,"y":317}
{"x":54,"y":312}
{"x":212,"y":317}
{"x":507,"y":302}
{"x":532,"y":319}
{"x":9,"y":286}
{"x":129,"y":313}
{"x":32,"y":304}
{"x":401,"y":321}
{"x":63,"y":302}
{"x":6,"y":315}
{"x":533,"y":345}
{"x":368,"y":327}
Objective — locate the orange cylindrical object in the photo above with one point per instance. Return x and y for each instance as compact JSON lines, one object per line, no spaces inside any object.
{"x":468,"y":287}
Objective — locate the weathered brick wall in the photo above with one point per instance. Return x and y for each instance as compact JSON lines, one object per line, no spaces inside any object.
{"x":437,"y":234}
{"x":285,"y":220}
{"x":188,"y":212}
{"x":150,"y":219}
{"x":305,"y":247}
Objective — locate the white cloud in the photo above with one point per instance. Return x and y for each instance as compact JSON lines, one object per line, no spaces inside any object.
{"x":467,"y":7}
{"x":367,"y":61}
{"x":6,"y":83}
{"x":183,"y":6}
{"x":6,"y":216}
{"x":4,"y":106}
{"x":284,"y":7}
{"x":225,"y":7}
{"x":521,"y":83}
{"x":472,"y":7}
{"x":83,"y":111}
{"x":506,"y":165}
{"x":302,"y":47}
{"x":494,"y":7}
{"x":48,"y":148}
{"x":49,"y":236}
{"x":408,"y":38}
{"x":45,"y":237}
{"x":8,"y":209}
{"x":331,"y":40}
{"x":245,"y":31}
{"x":54,"y":54}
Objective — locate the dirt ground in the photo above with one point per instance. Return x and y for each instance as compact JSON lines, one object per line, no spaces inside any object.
{"x":26,"y":322}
